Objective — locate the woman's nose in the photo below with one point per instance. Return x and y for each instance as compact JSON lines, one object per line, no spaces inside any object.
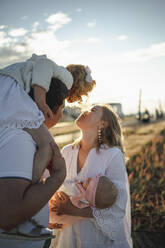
{"x":86,"y":112}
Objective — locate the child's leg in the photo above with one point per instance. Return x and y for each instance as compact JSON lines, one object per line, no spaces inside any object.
{"x":43,"y":155}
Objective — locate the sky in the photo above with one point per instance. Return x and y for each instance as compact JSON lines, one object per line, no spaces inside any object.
{"x":122,"y":41}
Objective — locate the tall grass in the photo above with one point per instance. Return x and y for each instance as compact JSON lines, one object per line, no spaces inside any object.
{"x":146,"y":171}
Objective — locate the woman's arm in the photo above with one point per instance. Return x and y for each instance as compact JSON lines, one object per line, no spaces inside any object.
{"x":61,"y":204}
{"x":20,"y":200}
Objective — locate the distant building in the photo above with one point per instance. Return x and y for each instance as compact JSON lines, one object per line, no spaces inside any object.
{"x":117,"y":107}
{"x":71,"y":113}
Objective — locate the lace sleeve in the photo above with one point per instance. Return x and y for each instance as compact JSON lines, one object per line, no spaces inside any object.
{"x":110,"y":220}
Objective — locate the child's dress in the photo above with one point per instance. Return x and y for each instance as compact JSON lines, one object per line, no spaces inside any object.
{"x":17,"y":109}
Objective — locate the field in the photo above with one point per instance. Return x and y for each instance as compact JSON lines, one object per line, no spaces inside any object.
{"x":145,"y":149}
{"x":147,"y":177}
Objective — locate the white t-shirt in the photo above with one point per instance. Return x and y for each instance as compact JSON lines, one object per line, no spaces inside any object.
{"x":17,"y":150}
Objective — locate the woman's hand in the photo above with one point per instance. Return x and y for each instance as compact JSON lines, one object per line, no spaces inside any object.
{"x":55,"y":226}
{"x":61,"y":204}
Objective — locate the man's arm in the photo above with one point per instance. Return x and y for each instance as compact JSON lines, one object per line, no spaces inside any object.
{"x":20,"y":200}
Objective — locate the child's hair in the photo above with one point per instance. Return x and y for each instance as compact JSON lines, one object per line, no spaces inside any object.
{"x":106,"y":193}
{"x":56,"y":94}
{"x":80,"y":86}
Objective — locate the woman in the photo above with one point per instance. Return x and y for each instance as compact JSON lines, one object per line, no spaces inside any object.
{"x":20,"y":199}
{"x":99,"y":150}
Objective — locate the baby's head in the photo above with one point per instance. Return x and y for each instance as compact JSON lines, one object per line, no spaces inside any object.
{"x":82,"y":82}
{"x":101,"y":190}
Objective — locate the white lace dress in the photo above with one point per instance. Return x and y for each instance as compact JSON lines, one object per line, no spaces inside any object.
{"x":17,"y":109}
{"x":110,"y":227}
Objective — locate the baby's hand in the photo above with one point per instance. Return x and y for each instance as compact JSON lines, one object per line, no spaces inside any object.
{"x":86,"y":183}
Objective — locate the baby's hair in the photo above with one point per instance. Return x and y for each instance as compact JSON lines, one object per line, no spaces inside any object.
{"x":56,"y":94}
{"x":80,"y":86}
{"x":106,"y":193}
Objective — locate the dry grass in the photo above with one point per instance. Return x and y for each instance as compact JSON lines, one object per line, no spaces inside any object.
{"x":138,"y":135}
{"x":147,"y":178}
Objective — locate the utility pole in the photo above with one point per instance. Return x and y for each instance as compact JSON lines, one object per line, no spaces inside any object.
{"x":139,"y":107}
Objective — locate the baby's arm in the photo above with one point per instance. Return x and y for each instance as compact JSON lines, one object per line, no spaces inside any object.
{"x":40,"y":99}
{"x":43,"y":155}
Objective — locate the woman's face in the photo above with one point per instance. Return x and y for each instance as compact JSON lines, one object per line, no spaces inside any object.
{"x":57,"y":116}
{"x":90,"y":119}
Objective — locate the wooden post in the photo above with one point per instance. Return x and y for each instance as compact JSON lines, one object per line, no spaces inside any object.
{"x":139,"y":107}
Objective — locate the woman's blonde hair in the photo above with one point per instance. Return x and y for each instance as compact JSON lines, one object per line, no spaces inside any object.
{"x":111,"y":134}
{"x":80,"y":86}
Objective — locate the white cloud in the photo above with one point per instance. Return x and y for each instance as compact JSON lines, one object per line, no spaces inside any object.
{"x":45,"y":42}
{"x":79,"y":10}
{"x":91,"y":24}
{"x":58,"y":20}
{"x":17,"y":32}
{"x":93,"y":40}
{"x":35,"y":25}
{"x":3,"y":27}
{"x":122,"y":37}
{"x":4,"y":40}
{"x":153,"y":51}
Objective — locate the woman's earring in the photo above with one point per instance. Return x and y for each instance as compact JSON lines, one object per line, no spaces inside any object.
{"x":99,"y":136}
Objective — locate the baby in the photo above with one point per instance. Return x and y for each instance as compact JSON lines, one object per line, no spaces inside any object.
{"x":98,"y":192}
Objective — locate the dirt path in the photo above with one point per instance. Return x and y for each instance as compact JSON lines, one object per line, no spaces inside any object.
{"x":137,"y":135}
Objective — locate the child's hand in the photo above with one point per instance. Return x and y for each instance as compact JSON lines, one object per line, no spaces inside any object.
{"x":40,"y":99}
{"x":48,"y":114}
